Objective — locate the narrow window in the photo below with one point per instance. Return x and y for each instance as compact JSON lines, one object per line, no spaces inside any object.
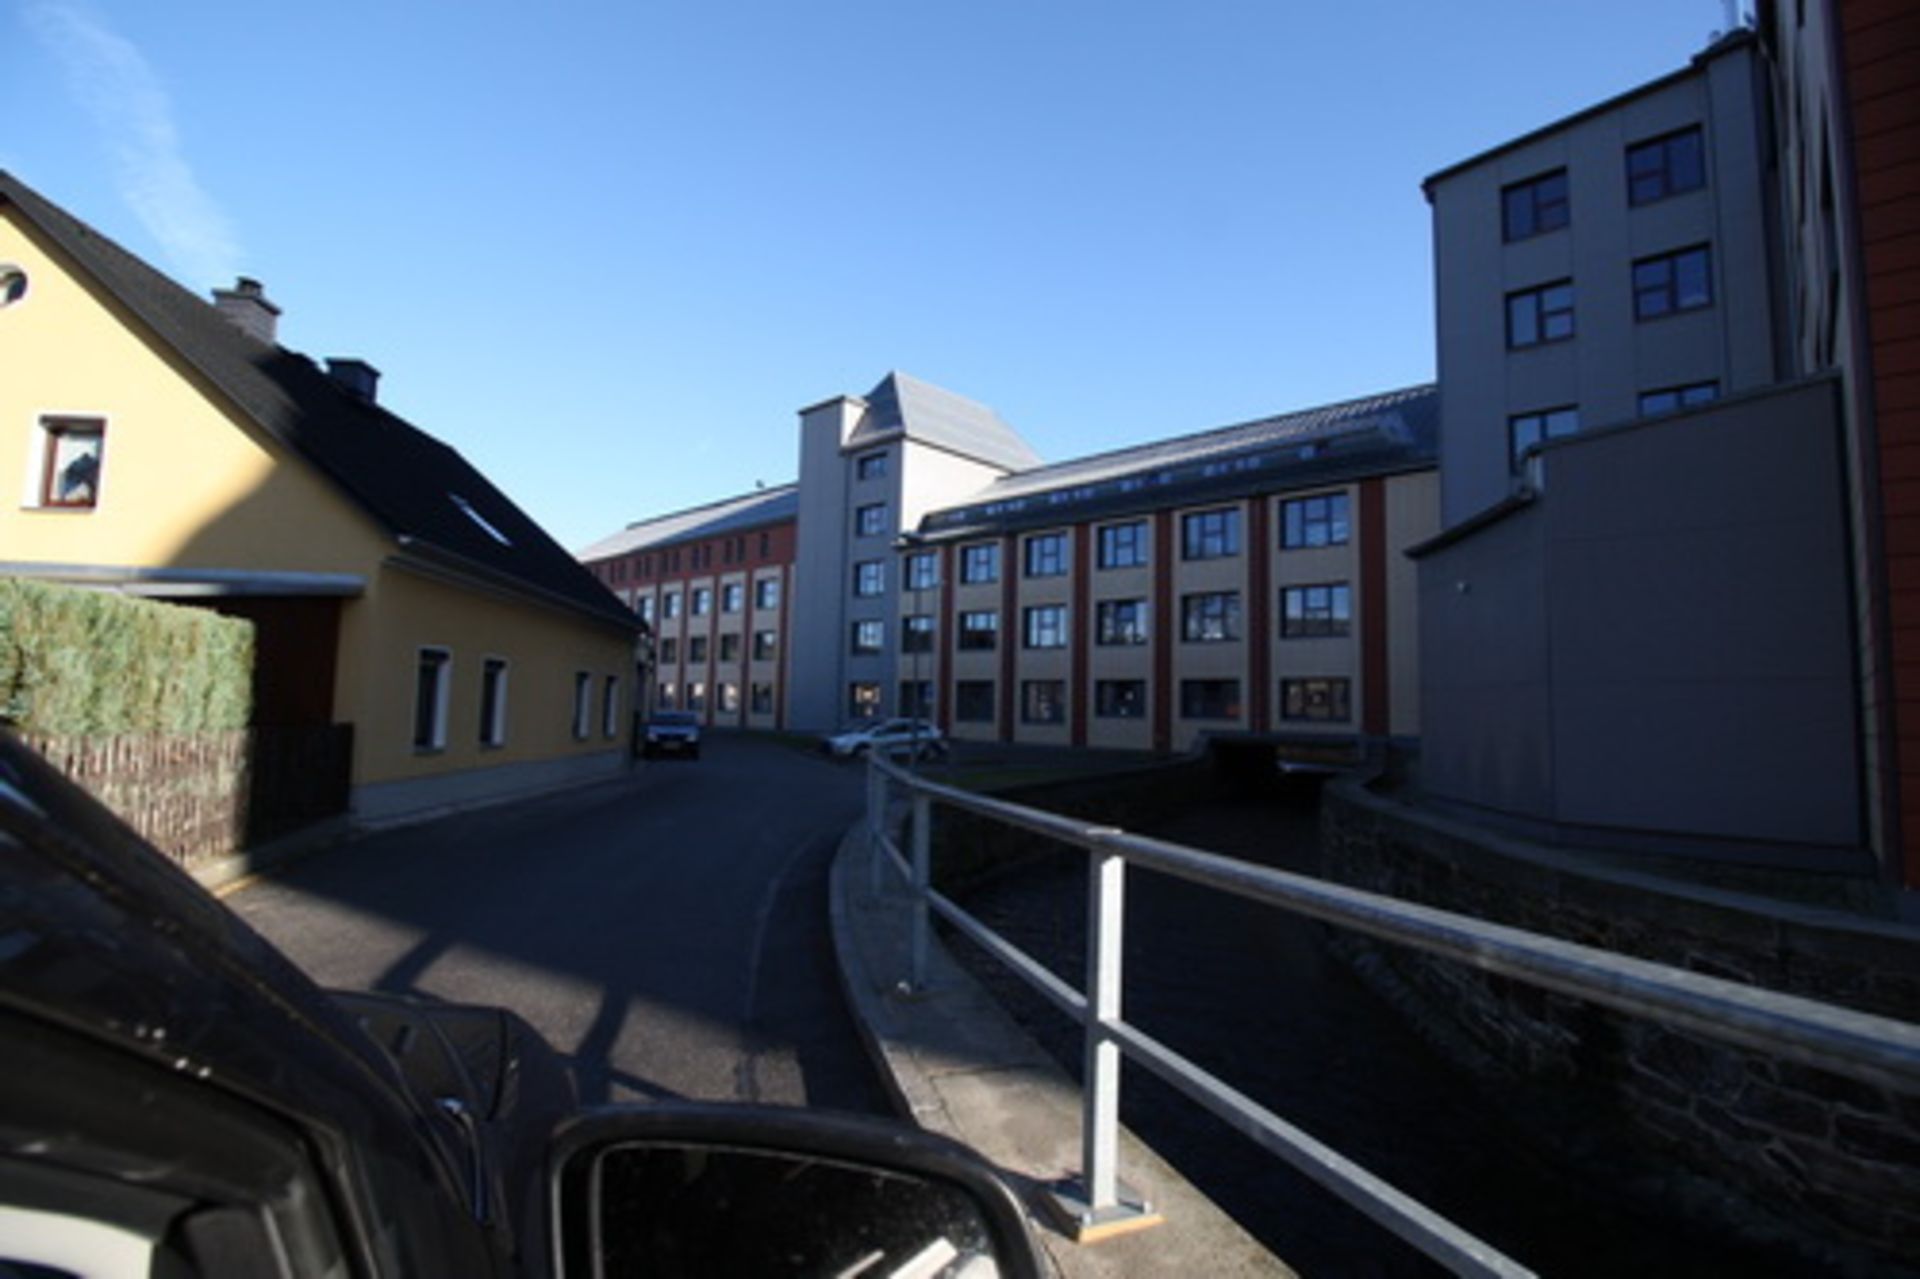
{"x":493,"y":702}
{"x":582,"y":694}
{"x":871,"y":520}
{"x":431,"y":676}
{"x":767,"y":593}
{"x":610,"y":706}
{"x":870,"y":466}
{"x":869,"y":578}
{"x":764,"y":645}
{"x":732,"y":596}
{"x":916,"y":633}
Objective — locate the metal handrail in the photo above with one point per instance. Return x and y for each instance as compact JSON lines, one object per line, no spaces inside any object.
{"x":1861,"y":1046}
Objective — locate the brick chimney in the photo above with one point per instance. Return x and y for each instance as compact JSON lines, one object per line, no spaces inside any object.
{"x":247,"y":306}
{"x":356,"y":377}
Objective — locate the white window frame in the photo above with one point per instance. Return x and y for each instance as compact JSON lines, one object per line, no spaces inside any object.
{"x":443,"y":682}
{"x":36,"y":483}
{"x":493,"y":723}
{"x":582,"y":707}
{"x":610,"y":706}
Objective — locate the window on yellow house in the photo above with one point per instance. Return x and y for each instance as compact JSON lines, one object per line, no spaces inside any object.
{"x":434,"y":670}
{"x":493,"y":702}
{"x":74,"y":450}
{"x":582,"y":691}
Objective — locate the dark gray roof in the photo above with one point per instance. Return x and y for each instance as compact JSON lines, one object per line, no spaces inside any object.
{"x":729,"y":515}
{"x":1394,"y":431}
{"x":421,"y":491}
{"x":936,"y":416}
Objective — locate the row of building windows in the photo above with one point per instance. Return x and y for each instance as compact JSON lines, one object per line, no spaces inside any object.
{"x":1664,"y":284}
{"x":1306,"y":523}
{"x":731,"y":550}
{"x":1657,"y":168}
{"x":765,"y":645}
{"x":1317,"y":699}
{"x":1306,"y":612}
{"x":699,"y":600}
{"x":1525,"y":430}
{"x":692,"y":696}
{"x":433,"y":691}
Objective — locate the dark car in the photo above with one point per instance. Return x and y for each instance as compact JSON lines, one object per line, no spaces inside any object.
{"x":180,"y":1100}
{"x":672,"y":733}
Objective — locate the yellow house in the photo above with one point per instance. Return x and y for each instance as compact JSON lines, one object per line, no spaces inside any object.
{"x":169,"y":447}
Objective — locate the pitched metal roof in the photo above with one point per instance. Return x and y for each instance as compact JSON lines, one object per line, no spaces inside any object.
{"x":729,"y":515}
{"x":1397,"y":430}
{"x":429,"y":498}
{"x":936,"y":416}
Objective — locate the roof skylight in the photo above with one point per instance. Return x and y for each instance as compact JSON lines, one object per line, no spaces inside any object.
{"x":486,"y":525}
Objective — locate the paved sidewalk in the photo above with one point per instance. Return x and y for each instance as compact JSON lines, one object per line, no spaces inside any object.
{"x":957,"y":1064}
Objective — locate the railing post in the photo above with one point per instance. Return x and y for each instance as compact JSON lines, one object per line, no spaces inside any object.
{"x":1100,"y":1103}
{"x":922,"y":880}
{"x":1099,"y":1205}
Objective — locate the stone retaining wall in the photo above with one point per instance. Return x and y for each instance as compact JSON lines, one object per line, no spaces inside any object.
{"x":1825,"y":1161}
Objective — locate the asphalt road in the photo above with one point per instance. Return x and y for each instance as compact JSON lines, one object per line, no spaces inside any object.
{"x":667,"y":933}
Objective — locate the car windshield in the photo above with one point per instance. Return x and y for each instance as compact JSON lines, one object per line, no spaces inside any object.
{"x":673,"y":717}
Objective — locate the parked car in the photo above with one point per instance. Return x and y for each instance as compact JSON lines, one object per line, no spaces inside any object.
{"x":914,"y":738}
{"x":672,"y":733}
{"x":181,"y":1099}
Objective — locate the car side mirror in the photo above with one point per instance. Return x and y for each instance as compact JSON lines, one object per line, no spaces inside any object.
{"x":704,"y":1189}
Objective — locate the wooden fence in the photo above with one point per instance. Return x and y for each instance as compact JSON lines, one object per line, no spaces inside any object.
{"x":198,"y":796}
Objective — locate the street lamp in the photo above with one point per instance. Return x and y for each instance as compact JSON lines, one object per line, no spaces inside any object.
{"x":908,"y":544}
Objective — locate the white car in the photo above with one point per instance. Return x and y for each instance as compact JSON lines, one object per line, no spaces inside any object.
{"x":915,"y":738}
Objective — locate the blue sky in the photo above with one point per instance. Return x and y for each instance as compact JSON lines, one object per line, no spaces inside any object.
{"x":608,"y":249}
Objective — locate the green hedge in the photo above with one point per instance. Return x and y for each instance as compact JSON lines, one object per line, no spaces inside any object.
{"x":82,"y":663}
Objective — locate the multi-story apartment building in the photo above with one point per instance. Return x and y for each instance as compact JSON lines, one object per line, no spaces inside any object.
{"x":1249,"y":579}
{"x":1657,"y":614}
{"x":714,"y":587}
{"x":870,"y":468}
{"x":1245,"y":579}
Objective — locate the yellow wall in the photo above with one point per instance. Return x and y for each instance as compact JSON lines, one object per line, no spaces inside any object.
{"x":189,"y":483}
{"x":382,"y":634}
{"x":184,"y":482}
